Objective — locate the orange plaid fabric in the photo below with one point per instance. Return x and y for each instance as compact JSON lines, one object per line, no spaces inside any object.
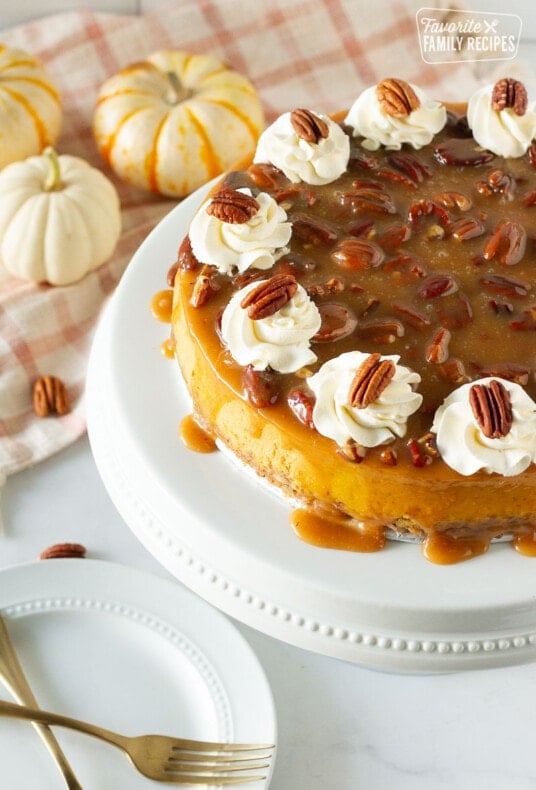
{"x":314,"y":53}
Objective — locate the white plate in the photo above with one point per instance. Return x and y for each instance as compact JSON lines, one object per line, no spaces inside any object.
{"x":229,"y":539}
{"x":128,"y":650}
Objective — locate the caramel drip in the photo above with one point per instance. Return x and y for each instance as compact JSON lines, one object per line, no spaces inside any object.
{"x":524,"y":541}
{"x":194,"y":437}
{"x":330,"y":532}
{"x":443,"y":549}
{"x":167,"y":348}
{"x":161,"y":305}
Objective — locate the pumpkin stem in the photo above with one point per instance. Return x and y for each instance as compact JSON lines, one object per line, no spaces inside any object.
{"x":177,"y":92}
{"x":53,"y":176}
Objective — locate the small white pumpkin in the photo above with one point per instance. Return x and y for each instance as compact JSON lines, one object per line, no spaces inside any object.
{"x":59,"y":218}
{"x":30,"y":106}
{"x":172,"y":122}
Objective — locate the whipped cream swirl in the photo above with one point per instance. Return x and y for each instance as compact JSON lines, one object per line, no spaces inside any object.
{"x":464,"y":447}
{"x":378,"y":423}
{"x":280,"y":341}
{"x":371,"y":122}
{"x":314,"y":163}
{"x":235,"y":247}
{"x":500,"y":131}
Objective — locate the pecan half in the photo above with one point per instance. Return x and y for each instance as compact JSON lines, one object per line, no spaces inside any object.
{"x":370,"y":380}
{"x":508,"y":242}
{"x":269,"y":296}
{"x":358,"y":254}
{"x":492,"y":408}
{"x":396,"y":97}
{"x":308,"y":126}
{"x":204,"y":287}
{"x":50,"y":396}
{"x":59,"y":550}
{"x":509,"y":93}
{"x":229,"y":205}
{"x":438,"y":348}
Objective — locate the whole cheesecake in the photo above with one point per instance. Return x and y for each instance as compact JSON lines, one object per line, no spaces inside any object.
{"x":354,"y":315}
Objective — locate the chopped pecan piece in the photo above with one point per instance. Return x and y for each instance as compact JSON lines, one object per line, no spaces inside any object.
{"x":186,"y":260}
{"x":438,"y":285}
{"x":50,"y":396}
{"x":332,"y":286}
{"x":409,"y":164}
{"x":509,"y":93}
{"x":507,"y":242}
{"x":269,"y":296}
{"x":260,"y":386}
{"x":530,"y":199}
{"x":370,"y":380}
{"x":497,"y":183}
{"x":396,"y":97}
{"x":301,"y":405}
{"x":264,"y":175}
{"x":426,"y":208}
{"x":313,"y":231}
{"x":454,"y":200}
{"x":229,"y":205}
{"x":352,"y":451}
{"x":204,"y":287}
{"x":506,"y":286}
{"x":338,"y":321}
{"x":308,"y":126}
{"x":492,"y":408}
{"x":382,"y":330}
{"x":438,"y":349}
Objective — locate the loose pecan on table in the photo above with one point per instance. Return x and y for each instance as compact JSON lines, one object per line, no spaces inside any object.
{"x":396,"y":97}
{"x":59,"y":550}
{"x":229,"y":205}
{"x":509,"y":93}
{"x":492,"y":408}
{"x":50,"y":396}
{"x":308,"y":126}
{"x":370,"y":380}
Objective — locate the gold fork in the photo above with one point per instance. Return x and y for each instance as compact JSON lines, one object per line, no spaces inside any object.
{"x":165,"y":759}
{"x":12,"y":674}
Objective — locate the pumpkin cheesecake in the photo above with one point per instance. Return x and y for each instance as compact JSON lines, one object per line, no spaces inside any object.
{"x":354,"y":315}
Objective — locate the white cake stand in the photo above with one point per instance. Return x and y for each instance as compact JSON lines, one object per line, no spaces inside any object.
{"x":228,"y":538}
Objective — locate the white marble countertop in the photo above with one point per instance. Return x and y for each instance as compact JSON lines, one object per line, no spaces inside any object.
{"x":340,"y":726}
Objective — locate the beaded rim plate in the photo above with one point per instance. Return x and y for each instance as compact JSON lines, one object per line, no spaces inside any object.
{"x":130,"y":651}
{"x":227,"y":538}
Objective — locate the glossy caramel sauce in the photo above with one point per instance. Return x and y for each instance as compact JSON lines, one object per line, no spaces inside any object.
{"x":430,"y":279}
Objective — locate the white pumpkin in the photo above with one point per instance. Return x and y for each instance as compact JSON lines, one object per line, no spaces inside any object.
{"x":30,"y":106}
{"x":172,"y":122}
{"x":59,"y":218}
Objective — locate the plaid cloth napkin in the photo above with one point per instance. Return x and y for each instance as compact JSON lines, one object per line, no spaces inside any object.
{"x":314,"y":53}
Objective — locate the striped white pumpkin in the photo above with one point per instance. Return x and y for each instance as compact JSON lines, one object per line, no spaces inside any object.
{"x":174,"y":121}
{"x":30,"y":106}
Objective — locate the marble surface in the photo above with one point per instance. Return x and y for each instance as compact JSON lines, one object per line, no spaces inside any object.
{"x":340,"y":726}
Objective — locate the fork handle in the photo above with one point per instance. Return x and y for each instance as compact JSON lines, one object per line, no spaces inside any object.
{"x":12,"y":674}
{"x":13,"y":711}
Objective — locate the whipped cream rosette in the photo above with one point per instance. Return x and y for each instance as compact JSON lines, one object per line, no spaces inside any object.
{"x":395,"y":112}
{"x":502,"y":119}
{"x":367,"y":423}
{"x":254,"y":235}
{"x":305,"y":146}
{"x":280,"y":337}
{"x":462,"y":438}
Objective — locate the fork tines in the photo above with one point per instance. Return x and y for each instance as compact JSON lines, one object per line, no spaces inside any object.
{"x":219,"y":763}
